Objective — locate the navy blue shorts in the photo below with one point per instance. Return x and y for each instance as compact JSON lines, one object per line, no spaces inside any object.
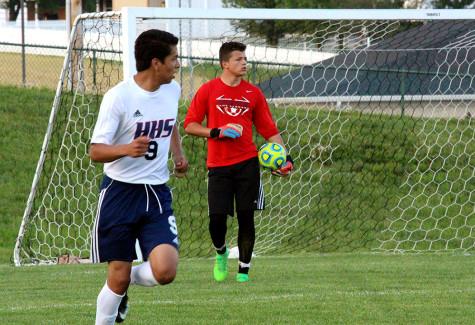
{"x":127,"y":212}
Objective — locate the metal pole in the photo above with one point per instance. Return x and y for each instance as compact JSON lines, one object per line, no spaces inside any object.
{"x":188,"y":50}
{"x":37,"y":22}
{"x":180,"y":49}
{"x":23,"y":59}
{"x":68,"y":18}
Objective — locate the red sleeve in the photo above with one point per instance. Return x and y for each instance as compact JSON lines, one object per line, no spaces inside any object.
{"x":198,"y":107}
{"x":262,"y":118}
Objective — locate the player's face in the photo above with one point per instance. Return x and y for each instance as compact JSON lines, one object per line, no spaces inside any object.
{"x":166,"y":70}
{"x":237,"y":63}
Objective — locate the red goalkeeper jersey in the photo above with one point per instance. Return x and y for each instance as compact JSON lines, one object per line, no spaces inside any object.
{"x":222,"y":104}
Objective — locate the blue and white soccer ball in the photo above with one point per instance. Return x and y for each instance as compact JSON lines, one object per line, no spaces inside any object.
{"x":272,"y":155}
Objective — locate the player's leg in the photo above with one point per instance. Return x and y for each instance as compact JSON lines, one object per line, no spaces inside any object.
{"x":160,"y":268}
{"x":113,"y":292}
{"x":220,"y":202}
{"x":246,"y":239}
{"x":113,"y":241}
{"x":163,"y":262}
{"x":112,"y":300}
{"x":217,"y":230}
{"x":249,"y":197}
{"x":158,"y":238}
{"x":142,"y":275}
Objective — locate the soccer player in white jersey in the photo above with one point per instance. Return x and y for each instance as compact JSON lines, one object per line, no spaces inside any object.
{"x":135,"y":130}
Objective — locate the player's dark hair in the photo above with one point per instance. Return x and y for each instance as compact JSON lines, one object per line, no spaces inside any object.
{"x":227,"y":48}
{"x":153,"y":43}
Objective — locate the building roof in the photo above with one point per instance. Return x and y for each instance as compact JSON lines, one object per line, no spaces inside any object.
{"x":434,"y":58}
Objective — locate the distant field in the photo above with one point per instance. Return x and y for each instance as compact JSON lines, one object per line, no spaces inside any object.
{"x":299,"y":289}
{"x":44,"y":71}
{"x":41,"y":70}
{"x":24,"y":117}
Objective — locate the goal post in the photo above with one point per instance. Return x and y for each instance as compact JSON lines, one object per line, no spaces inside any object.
{"x":375,"y":106}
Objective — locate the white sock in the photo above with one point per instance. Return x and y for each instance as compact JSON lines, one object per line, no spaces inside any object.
{"x":107,"y":305}
{"x":243,"y":265}
{"x":142,"y":275}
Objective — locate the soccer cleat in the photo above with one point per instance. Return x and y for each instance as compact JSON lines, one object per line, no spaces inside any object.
{"x":220,"y":270}
{"x":242,"y":277}
{"x":123,"y":309}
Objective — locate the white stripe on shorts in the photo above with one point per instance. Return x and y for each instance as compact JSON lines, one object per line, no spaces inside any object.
{"x":156,"y":196}
{"x":95,"y":229}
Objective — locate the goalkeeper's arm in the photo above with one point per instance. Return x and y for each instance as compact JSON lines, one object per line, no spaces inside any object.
{"x":229,"y":130}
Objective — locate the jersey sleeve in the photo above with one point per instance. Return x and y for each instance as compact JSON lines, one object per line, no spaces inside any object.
{"x":262,"y":118}
{"x":108,"y":119}
{"x":198,"y":107}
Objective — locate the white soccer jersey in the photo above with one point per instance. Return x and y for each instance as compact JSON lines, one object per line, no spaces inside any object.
{"x":127,"y":112}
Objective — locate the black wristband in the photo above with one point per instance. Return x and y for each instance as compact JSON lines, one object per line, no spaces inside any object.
{"x":214,"y":133}
{"x":289,"y":158}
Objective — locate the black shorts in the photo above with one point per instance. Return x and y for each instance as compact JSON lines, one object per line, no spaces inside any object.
{"x":240,"y":182}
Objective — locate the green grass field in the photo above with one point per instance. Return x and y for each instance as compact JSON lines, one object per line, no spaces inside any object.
{"x":311,"y":288}
{"x":302,"y":289}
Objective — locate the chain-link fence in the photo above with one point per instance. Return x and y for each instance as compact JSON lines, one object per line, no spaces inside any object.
{"x":42,"y":69}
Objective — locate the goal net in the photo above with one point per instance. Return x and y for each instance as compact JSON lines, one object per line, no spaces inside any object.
{"x":375,"y":106}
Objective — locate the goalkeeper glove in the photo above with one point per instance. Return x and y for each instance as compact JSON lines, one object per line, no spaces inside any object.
{"x":285,"y":169}
{"x":229,"y":130}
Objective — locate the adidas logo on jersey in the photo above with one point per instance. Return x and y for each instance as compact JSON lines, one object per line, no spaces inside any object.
{"x":137,"y":114}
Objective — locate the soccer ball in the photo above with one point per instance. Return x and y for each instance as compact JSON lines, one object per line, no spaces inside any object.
{"x":272,"y":156}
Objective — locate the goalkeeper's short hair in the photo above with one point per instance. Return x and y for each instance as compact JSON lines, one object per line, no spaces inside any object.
{"x":228,"y":47}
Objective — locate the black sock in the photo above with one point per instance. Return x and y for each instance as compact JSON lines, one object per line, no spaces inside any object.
{"x":244,"y":270}
{"x":222,"y":250}
{"x":217,"y":230}
{"x":246,"y":236}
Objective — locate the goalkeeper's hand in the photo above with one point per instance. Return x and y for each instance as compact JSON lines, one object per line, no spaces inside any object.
{"x":285,"y":169}
{"x":230,"y":130}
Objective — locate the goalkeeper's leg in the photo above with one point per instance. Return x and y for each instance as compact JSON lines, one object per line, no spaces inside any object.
{"x":217,"y":230}
{"x":246,"y":239}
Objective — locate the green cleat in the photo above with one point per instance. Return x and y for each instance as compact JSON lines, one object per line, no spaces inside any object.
{"x":220,"y":270}
{"x":242,"y":277}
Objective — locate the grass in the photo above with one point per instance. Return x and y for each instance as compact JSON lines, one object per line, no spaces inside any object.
{"x":301,"y":289}
{"x":361,"y":179}
{"x":357,"y":175}
{"x":24,"y":116}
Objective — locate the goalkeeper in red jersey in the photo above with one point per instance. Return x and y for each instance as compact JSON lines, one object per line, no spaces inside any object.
{"x":231,"y":107}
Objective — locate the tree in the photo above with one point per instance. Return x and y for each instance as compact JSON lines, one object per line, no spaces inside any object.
{"x":273,"y":30}
{"x":440,"y":4}
{"x":453,"y":4}
{"x":13,"y":7}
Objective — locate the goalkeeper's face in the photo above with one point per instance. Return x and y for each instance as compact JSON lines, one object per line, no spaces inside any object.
{"x":237,"y":64}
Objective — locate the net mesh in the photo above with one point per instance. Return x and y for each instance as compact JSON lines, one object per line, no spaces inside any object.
{"x":378,"y":116}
